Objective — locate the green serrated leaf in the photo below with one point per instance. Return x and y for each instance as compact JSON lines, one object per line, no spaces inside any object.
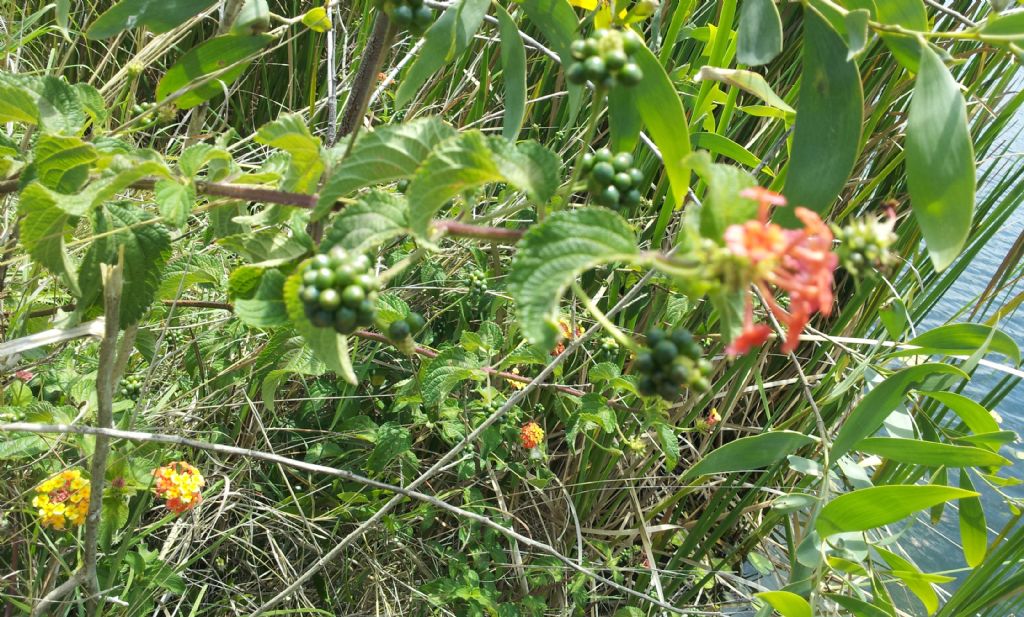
{"x":264,"y":306}
{"x":392,"y":440}
{"x":63,"y":163}
{"x":553,"y":253}
{"x":268,"y":245}
{"x":471,"y":160}
{"x":175,"y":201}
{"x":146,"y":249}
{"x":385,"y":155}
{"x":373,"y":219}
{"x":290,"y":133}
{"x":157,"y":15}
{"x":940,"y":161}
{"x":669,"y":444}
{"x":723,"y":206}
{"x":440,"y":375}
{"x":197,"y":156}
{"x":227,"y":55}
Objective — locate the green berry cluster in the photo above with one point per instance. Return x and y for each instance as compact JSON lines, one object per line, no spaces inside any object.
{"x":401,"y":329}
{"x":339,"y":290}
{"x":606,"y":59}
{"x":131,"y":387}
{"x":673,"y":361}
{"x":412,"y":15}
{"x":176,"y":338}
{"x":865,"y":243}
{"x":476,"y":280}
{"x":612,"y":179}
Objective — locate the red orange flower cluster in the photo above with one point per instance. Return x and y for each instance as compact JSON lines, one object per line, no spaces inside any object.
{"x":569,"y":333}
{"x":531,"y":435}
{"x":180,"y":484}
{"x":799,"y":262}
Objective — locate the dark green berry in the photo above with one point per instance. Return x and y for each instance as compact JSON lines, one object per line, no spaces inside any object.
{"x":604,"y":155}
{"x":668,"y":390}
{"x":576,"y":74}
{"x":595,"y":68}
{"x":630,"y":75}
{"x":310,"y":295}
{"x":609,"y":197}
{"x":616,"y":59}
{"x":644,"y":362}
{"x":399,"y":330}
{"x":631,"y":42}
{"x":422,"y":17}
{"x":578,"y":49}
{"x":416,"y":322}
{"x":622,"y":181}
{"x":330,"y":299}
{"x":590,"y":47}
{"x":665,"y":352}
{"x":345,"y":320}
{"x":587,"y":161}
{"x":679,"y":374}
{"x":631,"y":198}
{"x":353,"y":295}
{"x":322,"y":319}
{"x":324,"y":278}
{"x":646,"y":386}
{"x":402,"y":15}
{"x":623,"y":161}
{"x":603,"y":173}
{"x":636,"y":175}
{"x":655,"y":336}
{"x":682,"y":338}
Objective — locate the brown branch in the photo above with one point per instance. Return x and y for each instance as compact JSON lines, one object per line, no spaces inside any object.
{"x":299,"y":200}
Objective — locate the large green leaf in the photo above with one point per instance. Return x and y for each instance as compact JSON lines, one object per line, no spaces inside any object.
{"x":48,"y":101}
{"x":940,"y":161}
{"x":876,"y":506}
{"x":759,"y":37}
{"x":440,"y":375}
{"x":264,"y":307}
{"x":1008,"y":27}
{"x":63,"y":163}
{"x":42,"y":230}
{"x":392,"y":440}
{"x":826,"y":137}
{"x":329,"y":346}
{"x":227,"y":55}
{"x":975,"y":416}
{"x":120,"y":226}
{"x":930,"y":453}
{"x":387,"y":154}
{"x":908,"y":14}
{"x":290,"y":133}
{"x":787,"y":603}
{"x":553,"y":253}
{"x":513,"y":68}
{"x":882,"y":400}
{"x":963,"y":339}
{"x":909,"y":573}
{"x":175,"y":200}
{"x":663,"y":114}
{"x":447,"y":37}
{"x":973,"y":529}
{"x":748,"y":453}
{"x":156,"y":15}
{"x":723,"y":206}
{"x":471,"y":160}
{"x":375,"y":218}
{"x":858,"y":607}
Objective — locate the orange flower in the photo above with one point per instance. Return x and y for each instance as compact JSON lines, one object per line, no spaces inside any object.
{"x":180,"y":484}
{"x":799,"y":262}
{"x":531,"y":435}
{"x":713,"y":418}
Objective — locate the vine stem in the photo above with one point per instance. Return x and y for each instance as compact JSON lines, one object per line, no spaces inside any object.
{"x":359,"y":95}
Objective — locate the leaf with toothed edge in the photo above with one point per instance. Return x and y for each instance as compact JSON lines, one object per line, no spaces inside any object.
{"x":553,"y":253}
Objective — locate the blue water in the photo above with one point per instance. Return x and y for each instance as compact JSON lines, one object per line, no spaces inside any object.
{"x":938,"y":549}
